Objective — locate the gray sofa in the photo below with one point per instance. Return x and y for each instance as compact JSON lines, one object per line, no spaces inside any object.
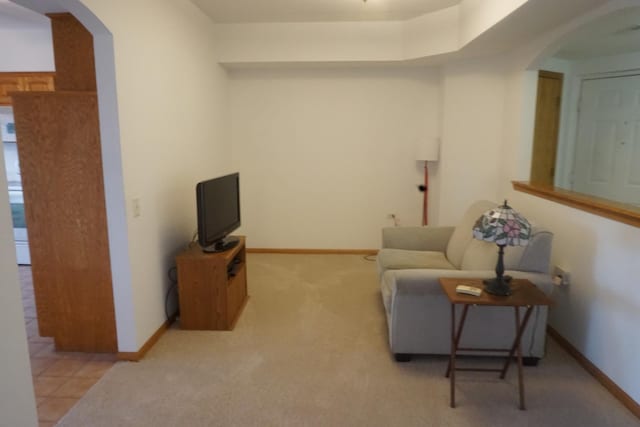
{"x":411,"y":261}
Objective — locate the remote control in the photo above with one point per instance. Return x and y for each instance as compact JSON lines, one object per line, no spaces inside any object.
{"x":468,"y":290}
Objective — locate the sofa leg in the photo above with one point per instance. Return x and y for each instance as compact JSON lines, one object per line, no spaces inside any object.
{"x":402,"y":357}
{"x":530,"y":361}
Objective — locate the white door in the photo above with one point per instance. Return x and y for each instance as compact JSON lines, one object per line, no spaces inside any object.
{"x":607,"y":158}
{"x":12,"y":168}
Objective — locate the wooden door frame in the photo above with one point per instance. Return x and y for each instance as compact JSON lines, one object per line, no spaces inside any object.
{"x":546,"y":120}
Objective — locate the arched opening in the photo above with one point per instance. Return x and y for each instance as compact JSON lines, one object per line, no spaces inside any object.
{"x":111,"y":159}
{"x":115,"y":206}
{"x":594,"y":147}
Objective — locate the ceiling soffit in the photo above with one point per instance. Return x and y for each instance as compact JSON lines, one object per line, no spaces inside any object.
{"x":281,"y":11}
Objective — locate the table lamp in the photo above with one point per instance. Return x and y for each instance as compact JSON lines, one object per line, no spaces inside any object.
{"x":504,"y":227}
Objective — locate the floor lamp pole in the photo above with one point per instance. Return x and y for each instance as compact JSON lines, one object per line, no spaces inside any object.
{"x":425,"y":218}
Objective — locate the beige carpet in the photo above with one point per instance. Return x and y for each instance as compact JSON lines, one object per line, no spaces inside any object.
{"x":311,"y":349}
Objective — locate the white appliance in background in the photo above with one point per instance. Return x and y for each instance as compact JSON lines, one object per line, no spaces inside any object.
{"x":16,"y":199}
{"x":19,"y":232}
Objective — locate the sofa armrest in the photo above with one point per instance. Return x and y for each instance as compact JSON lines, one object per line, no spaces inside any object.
{"x":417,"y":238}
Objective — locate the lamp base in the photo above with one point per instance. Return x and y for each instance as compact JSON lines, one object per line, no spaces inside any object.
{"x":499,"y":287}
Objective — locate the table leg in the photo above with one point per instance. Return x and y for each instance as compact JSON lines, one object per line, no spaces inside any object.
{"x":455,"y":339}
{"x":451,"y":370}
{"x":519,"y":354}
{"x":516,"y":348}
{"x":519,"y":332}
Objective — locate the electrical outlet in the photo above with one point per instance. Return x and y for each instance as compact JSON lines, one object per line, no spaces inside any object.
{"x":561,"y":276}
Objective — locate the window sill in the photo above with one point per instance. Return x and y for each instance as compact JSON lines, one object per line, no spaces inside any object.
{"x":627,"y":214}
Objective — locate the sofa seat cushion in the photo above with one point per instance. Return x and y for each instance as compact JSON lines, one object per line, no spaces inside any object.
{"x":402,"y":259}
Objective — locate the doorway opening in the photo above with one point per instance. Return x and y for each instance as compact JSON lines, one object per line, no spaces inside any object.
{"x":16,"y":198}
{"x":59,"y":378}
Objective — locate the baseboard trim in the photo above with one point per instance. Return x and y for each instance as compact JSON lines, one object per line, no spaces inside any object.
{"x":136,"y":356}
{"x":603,"y":379}
{"x":313,"y":251}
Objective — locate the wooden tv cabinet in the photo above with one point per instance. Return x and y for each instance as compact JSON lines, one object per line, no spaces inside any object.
{"x":212,"y":287}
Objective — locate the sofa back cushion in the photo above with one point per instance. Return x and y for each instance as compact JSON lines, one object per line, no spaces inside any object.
{"x":462,"y":235}
{"x":534,"y":257}
{"x":484,"y":256}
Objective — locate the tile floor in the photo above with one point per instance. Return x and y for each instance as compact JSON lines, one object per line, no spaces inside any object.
{"x":60,"y":379}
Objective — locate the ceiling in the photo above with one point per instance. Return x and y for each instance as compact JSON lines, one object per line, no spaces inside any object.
{"x":616,"y":33}
{"x":612,"y":34}
{"x":14,"y":16}
{"x":244,"y":11}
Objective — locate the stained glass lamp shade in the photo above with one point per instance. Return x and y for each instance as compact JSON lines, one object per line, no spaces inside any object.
{"x":504,"y":227}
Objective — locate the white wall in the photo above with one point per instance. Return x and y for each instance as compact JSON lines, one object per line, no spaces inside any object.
{"x":17,"y":401}
{"x":22,"y":50}
{"x":432,"y":34}
{"x":599,"y":311}
{"x":472,"y":133}
{"x":26,"y":50}
{"x":477,"y":16}
{"x":310,"y":42}
{"x":171,"y":100}
{"x":325,"y":154}
{"x":429,"y":35}
{"x":171,"y":97}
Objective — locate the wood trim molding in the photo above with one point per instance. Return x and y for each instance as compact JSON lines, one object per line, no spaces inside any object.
{"x":24,"y":81}
{"x":136,"y":356}
{"x":28,"y":74}
{"x":606,"y":382}
{"x":551,"y":75}
{"x":58,"y":15}
{"x":627,"y":214}
{"x":313,"y":251}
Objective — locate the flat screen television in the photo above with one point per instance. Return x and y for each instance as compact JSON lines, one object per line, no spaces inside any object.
{"x":218,"y":206}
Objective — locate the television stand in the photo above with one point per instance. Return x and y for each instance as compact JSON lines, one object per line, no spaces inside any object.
{"x":212,"y":287}
{"x":222,"y":245}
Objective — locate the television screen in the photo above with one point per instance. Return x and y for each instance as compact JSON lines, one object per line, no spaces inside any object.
{"x":218,"y":206}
